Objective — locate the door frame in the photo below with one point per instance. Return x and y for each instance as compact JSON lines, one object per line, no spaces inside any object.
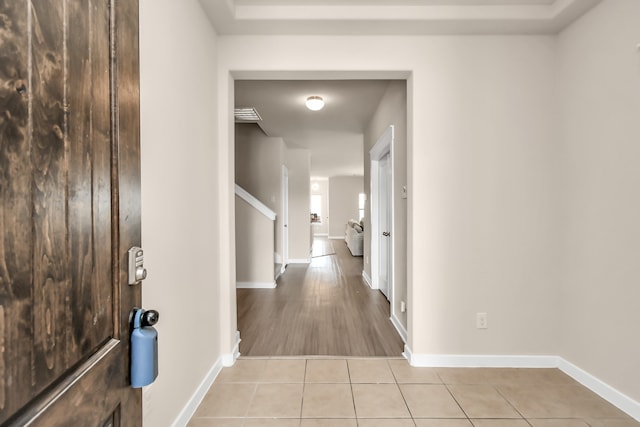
{"x":382,"y":147}
{"x":229,"y":334}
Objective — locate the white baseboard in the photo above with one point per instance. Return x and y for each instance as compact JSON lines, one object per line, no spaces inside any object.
{"x":321,"y":235}
{"x":190,"y":408}
{"x":300,"y":261}
{"x":279,"y":273}
{"x":480,"y":361}
{"x":367,"y":279}
{"x":256,"y":285}
{"x":336,"y":237}
{"x":407,"y":353}
{"x":230,"y":358}
{"x":604,"y":390}
{"x":398,"y":325}
{"x":196,"y":398}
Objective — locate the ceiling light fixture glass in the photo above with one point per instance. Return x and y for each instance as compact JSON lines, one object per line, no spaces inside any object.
{"x":315,"y":103}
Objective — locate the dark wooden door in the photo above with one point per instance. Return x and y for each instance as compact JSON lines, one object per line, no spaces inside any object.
{"x":69,"y":210}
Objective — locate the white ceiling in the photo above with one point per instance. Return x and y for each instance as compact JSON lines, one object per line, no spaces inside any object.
{"x":363,"y":17}
{"x":334,"y":135}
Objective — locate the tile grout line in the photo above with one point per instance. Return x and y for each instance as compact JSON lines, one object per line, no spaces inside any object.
{"x":253,"y":396}
{"x":304,"y":386}
{"x":446,"y":386}
{"x":353,"y":397}
{"x":413,"y":420}
{"x":509,"y":403}
{"x":404,"y":399}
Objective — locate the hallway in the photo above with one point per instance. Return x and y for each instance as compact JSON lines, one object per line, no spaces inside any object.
{"x":323,"y":308}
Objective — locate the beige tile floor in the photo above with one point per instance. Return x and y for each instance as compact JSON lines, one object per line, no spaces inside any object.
{"x":307,"y":392}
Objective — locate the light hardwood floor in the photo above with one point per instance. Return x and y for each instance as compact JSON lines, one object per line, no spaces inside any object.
{"x":323,"y":308}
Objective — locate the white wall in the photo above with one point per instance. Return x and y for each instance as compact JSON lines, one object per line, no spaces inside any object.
{"x":321,"y":229}
{"x":179,"y":206}
{"x":254,"y":246}
{"x":392,"y":110}
{"x":343,"y":202}
{"x":258,"y":169}
{"x":487,"y":170}
{"x":484,"y":155}
{"x":599,"y":86}
{"x":258,"y":162}
{"x":481,"y":152}
{"x":298,"y":162}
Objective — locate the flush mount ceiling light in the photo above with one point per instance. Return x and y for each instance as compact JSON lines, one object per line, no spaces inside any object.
{"x":315,"y":103}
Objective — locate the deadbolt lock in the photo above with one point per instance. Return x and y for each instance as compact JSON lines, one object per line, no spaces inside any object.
{"x":137,"y":272}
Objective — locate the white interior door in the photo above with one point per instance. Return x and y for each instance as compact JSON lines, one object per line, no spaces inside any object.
{"x":285,"y":216}
{"x":384,"y":217}
{"x":382,"y":214}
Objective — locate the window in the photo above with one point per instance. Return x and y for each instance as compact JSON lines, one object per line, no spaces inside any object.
{"x":361,"y":199}
{"x":316,"y":208}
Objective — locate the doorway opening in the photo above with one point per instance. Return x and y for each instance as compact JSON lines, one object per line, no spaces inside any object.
{"x":343,"y":267}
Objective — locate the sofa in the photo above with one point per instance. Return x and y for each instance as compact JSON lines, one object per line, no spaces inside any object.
{"x":354,"y":237}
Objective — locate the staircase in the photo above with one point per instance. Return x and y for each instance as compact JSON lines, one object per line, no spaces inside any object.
{"x":255,"y":242}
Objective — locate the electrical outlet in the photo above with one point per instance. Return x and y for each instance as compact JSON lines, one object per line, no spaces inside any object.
{"x":403,"y":306}
{"x":481,"y":321}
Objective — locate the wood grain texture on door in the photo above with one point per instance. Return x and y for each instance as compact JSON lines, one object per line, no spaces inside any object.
{"x":69,"y":210}
{"x":16,"y":263}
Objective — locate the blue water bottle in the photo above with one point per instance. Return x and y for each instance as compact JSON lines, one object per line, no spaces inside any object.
{"x":144,"y":348}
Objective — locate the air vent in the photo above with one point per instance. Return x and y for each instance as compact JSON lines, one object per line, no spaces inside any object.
{"x":246,"y":115}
